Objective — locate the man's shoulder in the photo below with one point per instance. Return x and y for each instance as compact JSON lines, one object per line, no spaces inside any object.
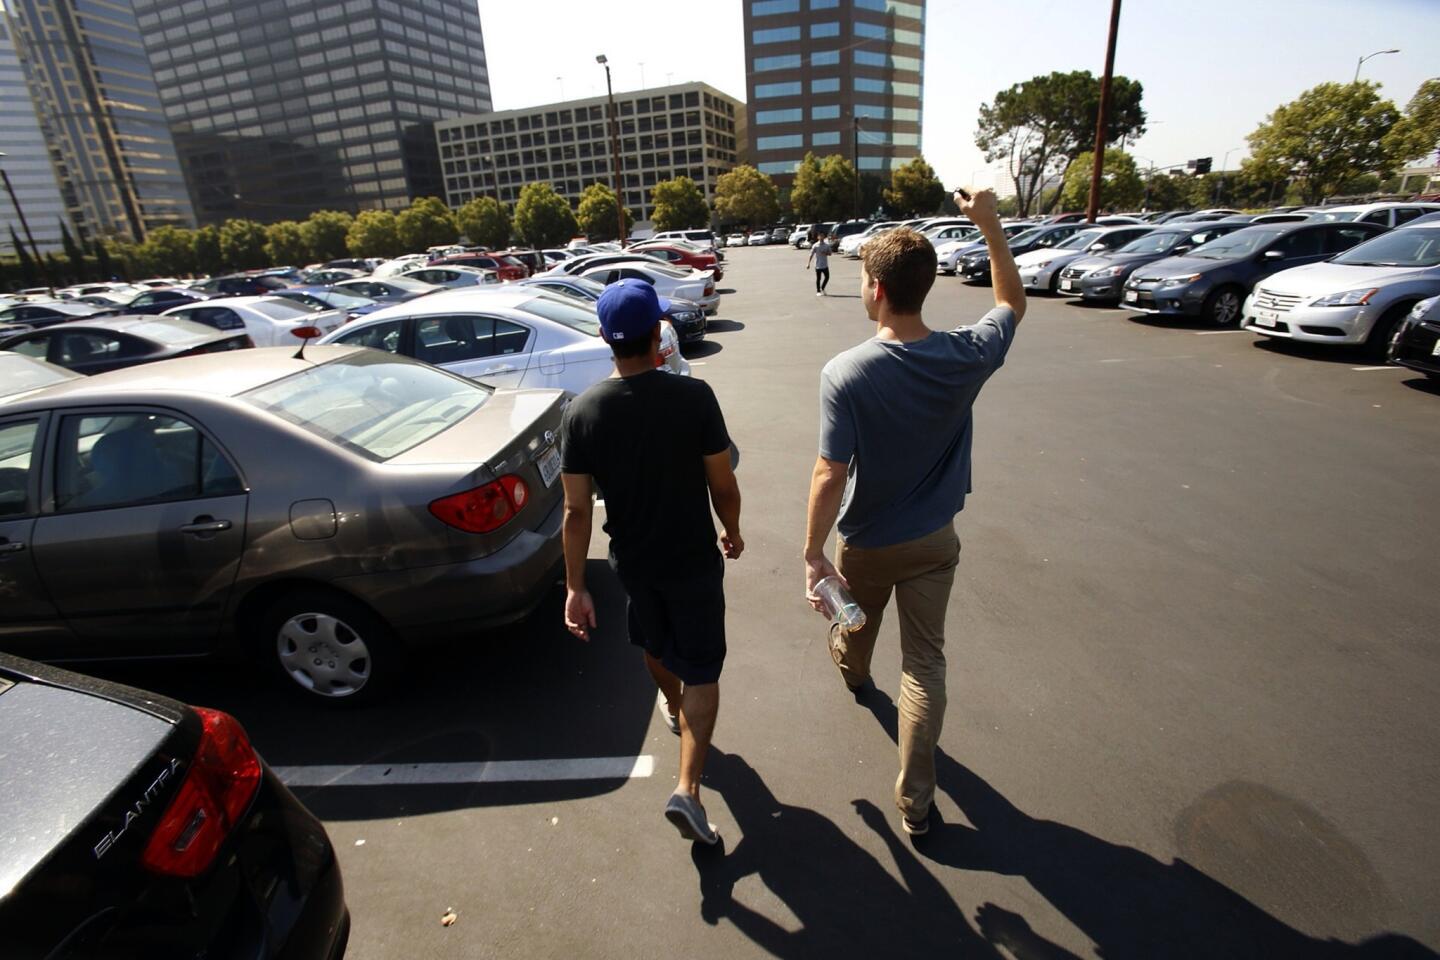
{"x":848,"y":364}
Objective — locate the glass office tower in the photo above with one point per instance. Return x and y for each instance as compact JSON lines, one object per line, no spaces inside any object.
{"x":95,"y":99}
{"x":834,"y":76}
{"x":283,"y":107}
{"x":27,"y":158}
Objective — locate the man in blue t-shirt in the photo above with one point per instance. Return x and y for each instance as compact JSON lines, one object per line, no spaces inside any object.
{"x":894,"y":468}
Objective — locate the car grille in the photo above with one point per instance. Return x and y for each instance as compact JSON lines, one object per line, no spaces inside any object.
{"x":1073,"y":273}
{"x":1148,"y":279}
{"x":1279,"y":302}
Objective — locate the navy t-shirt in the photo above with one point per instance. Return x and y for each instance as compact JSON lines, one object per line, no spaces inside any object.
{"x":899,"y":415}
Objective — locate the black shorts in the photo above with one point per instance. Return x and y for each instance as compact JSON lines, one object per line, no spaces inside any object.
{"x":680,"y":620}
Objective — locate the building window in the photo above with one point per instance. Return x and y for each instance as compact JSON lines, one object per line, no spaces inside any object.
{"x":825,"y":85}
{"x":780,"y":143}
{"x":867,"y":85}
{"x":824,"y":4}
{"x":873,"y":30}
{"x":871,"y":111}
{"x":865,"y":58}
{"x":911,"y":10}
{"x":826,"y":112}
{"x":777,"y":35}
{"x":824,"y":58}
{"x":825,"y":139}
{"x":779,"y":166}
{"x":766,"y":8}
{"x":907,"y":113}
{"x":830,"y":29}
{"x":764,"y":90}
{"x":786,"y":62}
{"x":779,"y":116}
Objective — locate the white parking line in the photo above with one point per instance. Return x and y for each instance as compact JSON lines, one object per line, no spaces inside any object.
{"x":1182,"y":356}
{"x":1386,"y":367}
{"x":494,"y":771}
{"x":1211,"y":333}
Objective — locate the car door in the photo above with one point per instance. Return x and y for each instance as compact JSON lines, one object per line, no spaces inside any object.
{"x":486,"y":348}
{"x":1296,"y":249}
{"x":143,"y":540}
{"x":1340,"y":237}
{"x":1404,"y":215}
{"x":386,"y":335}
{"x":30,"y":624}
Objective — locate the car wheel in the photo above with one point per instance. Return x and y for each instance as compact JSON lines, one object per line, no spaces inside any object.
{"x":330,"y":647}
{"x":1055,"y":284}
{"x":1377,"y":343}
{"x":1222,"y":307}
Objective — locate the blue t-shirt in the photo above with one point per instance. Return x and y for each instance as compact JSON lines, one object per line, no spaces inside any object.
{"x":899,"y":415}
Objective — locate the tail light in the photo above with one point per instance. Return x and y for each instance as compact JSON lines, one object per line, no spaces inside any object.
{"x":306,"y":333}
{"x":217,"y":789}
{"x":483,"y":509}
{"x":709,"y":289}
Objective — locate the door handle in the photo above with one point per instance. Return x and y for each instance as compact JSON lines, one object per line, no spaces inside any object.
{"x":9,"y":546}
{"x":503,"y":368}
{"x":205,"y":525}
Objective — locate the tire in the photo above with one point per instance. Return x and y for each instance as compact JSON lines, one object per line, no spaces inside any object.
{"x":329,"y":648}
{"x":1055,"y":284}
{"x":1377,"y":343}
{"x":1222,"y":308}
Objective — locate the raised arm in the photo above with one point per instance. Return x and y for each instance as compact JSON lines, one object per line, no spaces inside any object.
{"x":1004,"y":275}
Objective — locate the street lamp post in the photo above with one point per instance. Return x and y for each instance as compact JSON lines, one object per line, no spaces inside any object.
{"x":855,"y":159}
{"x":19,"y":213}
{"x":615,"y":151}
{"x":1224,"y":165}
{"x":1367,"y":56}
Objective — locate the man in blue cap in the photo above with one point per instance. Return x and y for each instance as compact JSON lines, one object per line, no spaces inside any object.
{"x":656,"y":445}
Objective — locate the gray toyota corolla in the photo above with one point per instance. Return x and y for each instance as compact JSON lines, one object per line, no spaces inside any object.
{"x":328,"y":513}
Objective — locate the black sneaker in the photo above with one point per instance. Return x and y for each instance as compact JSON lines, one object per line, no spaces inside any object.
{"x":915,"y":828}
{"x":688,"y":816}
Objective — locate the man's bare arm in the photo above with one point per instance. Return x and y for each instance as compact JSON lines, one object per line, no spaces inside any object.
{"x":725,"y":496}
{"x":575,"y":538}
{"x":1004,"y":275}
{"x":827,"y":489}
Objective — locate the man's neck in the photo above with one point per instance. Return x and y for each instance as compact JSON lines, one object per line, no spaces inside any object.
{"x":634,"y":366}
{"x":903,"y":327}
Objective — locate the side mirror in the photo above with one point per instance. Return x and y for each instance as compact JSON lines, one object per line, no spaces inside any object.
{"x":1183,"y":248}
{"x":1272,"y":255}
{"x":1097,"y":247}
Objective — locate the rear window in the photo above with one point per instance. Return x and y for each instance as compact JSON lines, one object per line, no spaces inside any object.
{"x":378,"y":405}
{"x":569,"y":313}
{"x":281,"y":309}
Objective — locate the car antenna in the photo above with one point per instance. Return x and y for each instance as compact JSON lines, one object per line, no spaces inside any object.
{"x":305,"y":334}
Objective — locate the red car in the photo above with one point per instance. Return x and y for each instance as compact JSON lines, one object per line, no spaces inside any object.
{"x":507,"y":268}
{"x":690,"y":258}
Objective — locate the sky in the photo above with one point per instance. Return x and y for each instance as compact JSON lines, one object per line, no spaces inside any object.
{"x":1211,"y":70}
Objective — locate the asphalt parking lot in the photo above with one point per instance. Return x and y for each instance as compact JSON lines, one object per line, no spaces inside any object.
{"x":1192,"y":712}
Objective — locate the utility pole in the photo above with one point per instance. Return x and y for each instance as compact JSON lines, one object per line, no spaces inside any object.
{"x":1095,"y":173}
{"x":615,"y":152}
{"x":855,"y":159}
{"x":24,"y":224}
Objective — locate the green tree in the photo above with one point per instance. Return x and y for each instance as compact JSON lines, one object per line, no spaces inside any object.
{"x":837,"y":188}
{"x":74,"y":253}
{"x":1329,"y":134}
{"x":1121,"y":187}
{"x":285,"y":244}
{"x":485,"y":221}
{"x":102,"y":258}
{"x":29,"y":276}
{"x":427,"y":223}
{"x":745,"y":195}
{"x":679,"y":205}
{"x":914,"y":189}
{"x":872,"y":195}
{"x":208,"y":258}
{"x":242,"y":244}
{"x":807,"y":194}
{"x":327,"y":234}
{"x":1040,"y":126}
{"x":171,"y":250}
{"x":1418,"y":133}
{"x":542,"y":217}
{"x":373,"y":233}
{"x":596,"y":213}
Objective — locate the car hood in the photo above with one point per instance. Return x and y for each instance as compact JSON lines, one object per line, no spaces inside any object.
{"x":1047,"y":255}
{"x":1183,"y":266}
{"x":1318,"y":279}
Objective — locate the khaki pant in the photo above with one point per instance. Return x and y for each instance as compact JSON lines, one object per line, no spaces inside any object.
{"x":921,"y":573}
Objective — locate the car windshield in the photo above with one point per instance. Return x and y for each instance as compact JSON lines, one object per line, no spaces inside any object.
{"x":280,"y":309}
{"x":375,"y":404}
{"x":1028,"y":236}
{"x":1232,"y":246}
{"x":345,"y":301}
{"x":1152,"y":243}
{"x":1335,"y":216}
{"x":1416,"y":247}
{"x":564,"y":311}
{"x":403,"y":285}
{"x":1079,"y":241}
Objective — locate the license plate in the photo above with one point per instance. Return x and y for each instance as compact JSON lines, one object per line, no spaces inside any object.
{"x":1067,"y":284}
{"x":1266,"y":318}
{"x":549,"y":464}
{"x":1132,"y":296}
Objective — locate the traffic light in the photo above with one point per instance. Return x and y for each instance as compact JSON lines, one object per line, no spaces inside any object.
{"x":1202,"y":166}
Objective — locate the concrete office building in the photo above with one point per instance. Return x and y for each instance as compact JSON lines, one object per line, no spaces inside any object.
{"x":824,"y":74}
{"x":94,"y":98}
{"x":690,"y":130}
{"x":27,"y":158}
{"x":284,"y":107}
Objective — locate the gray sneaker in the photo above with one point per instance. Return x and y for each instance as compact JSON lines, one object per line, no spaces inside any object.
{"x":688,"y":816}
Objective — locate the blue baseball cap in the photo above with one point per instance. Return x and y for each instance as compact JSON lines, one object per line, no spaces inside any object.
{"x":629,"y":309}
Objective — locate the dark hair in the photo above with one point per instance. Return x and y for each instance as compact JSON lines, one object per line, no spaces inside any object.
{"x":632,"y":349}
{"x":903,"y":262}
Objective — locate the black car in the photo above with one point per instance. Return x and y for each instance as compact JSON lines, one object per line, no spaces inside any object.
{"x":138,"y":826}
{"x":240,"y":285}
{"x":1213,"y":280}
{"x":1416,"y":343}
{"x":976,"y":265}
{"x":159,"y":300}
{"x":1101,"y":278}
{"x":47,"y":313}
{"x":111,"y":343}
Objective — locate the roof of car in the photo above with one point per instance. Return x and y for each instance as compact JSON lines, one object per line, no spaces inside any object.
{"x":141,"y":325}
{"x":244,"y":301}
{"x":502,"y":297}
{"x":225,"y":374}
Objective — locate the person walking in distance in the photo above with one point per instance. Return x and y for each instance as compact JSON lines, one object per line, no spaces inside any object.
{"x":820,"y":252}
{"x":894,"y":468}
{"x":656,"y":444}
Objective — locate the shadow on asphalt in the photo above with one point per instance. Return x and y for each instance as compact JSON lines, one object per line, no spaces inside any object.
{"x":1083,"y":304}
{"x":701,"y":350}
{"x":529,"y":691}
{"x":1424,"y":384}
{"x":1127,"y":903}
{"x":724,"y":290}
{"x":1174,"y":321}
{"x":724,"y":326}
{"x":1345,"y":355}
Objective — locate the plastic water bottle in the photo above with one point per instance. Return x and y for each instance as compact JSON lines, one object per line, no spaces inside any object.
{"x":838,"y":605}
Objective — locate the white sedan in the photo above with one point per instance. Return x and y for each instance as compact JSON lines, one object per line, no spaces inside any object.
{"x":513,"y":337}
{"x":682,"y":283}
{"x":452,"y":276}
{"x":269,"y":321}
{"x":758,"y":238}
{"x":735,"y":240}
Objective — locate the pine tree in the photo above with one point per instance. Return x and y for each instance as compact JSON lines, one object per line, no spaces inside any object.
{"x":102,"y":259}
{"x":29,"y":276}
{"x":73,"y":251}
